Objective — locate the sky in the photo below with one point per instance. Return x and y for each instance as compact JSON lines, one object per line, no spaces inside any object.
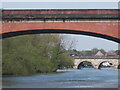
{"x":60,"y":0}
{"x":83,"y":42}
{"x":60,"y":5}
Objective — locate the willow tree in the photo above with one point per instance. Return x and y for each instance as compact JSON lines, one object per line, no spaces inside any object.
{"x":34,"y":53}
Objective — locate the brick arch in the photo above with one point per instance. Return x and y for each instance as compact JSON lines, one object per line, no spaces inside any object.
{"x":107,"y":30}
{"x":43,"y":31}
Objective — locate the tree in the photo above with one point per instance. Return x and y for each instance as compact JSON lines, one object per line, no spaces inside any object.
{"x":94,"y":51}
{"x":34,"y":53}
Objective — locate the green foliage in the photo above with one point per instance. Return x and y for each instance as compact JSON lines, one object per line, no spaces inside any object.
{"x":33,"y":54}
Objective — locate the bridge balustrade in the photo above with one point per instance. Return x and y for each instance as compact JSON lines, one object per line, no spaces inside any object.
{"x":96,"y":57}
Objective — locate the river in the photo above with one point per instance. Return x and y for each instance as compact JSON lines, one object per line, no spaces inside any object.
{"x":71,"y":78}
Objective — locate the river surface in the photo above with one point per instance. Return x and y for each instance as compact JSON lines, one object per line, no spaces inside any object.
{"x":82,"y":78}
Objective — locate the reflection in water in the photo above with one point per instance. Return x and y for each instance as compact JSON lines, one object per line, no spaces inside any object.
{"x":83,"y":78}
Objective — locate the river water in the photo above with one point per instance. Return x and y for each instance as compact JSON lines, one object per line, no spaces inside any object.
{"x":71,"y":78}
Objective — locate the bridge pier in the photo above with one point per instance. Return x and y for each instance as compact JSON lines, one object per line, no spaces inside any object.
{"x":115,"y":67}
{"x":96,"y":67}
{"x":75,"y":67}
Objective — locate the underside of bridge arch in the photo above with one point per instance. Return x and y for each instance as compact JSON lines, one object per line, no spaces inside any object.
{"x":85,"y":64}
{"x":56,"y":31}
{"x":101,"y":64}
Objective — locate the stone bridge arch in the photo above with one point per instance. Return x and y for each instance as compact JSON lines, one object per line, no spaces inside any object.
{"x":78,"y":61}
{"x":99,"y":66}
{"x":96,"y":62}
{"x":115,"y":63}
{"x":83,"y":62}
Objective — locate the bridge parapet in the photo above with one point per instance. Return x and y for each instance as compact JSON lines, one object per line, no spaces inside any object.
{"x":59,"y":15}
{"x":96,"y":57}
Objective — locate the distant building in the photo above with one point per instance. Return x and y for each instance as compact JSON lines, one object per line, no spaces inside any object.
{"x":106,"y":54}
{"x":100,"y":54}
{"x":110,"y":54}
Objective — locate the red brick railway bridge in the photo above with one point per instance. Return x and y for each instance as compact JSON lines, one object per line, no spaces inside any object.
{"x":93,"y":22}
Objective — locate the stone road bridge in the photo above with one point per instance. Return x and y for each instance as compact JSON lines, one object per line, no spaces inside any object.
{"x":96,"y":62}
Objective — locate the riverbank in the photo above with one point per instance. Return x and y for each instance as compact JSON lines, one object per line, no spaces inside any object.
{"x":34,"y":74}
{"x":58,"y":71}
